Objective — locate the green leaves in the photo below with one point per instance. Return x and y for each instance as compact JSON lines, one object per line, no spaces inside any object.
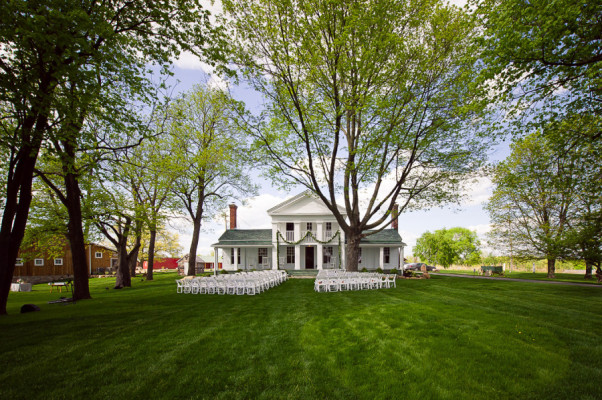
{"x":543,"y":51}
{"x":546,"y":203}
{"x":360,"y":93}
{"x":449,"y":246}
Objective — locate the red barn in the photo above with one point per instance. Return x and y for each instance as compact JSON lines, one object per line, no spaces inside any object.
{"x":163,"y":263}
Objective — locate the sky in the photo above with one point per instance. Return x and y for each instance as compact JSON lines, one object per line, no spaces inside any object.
{"x":253,"y":214}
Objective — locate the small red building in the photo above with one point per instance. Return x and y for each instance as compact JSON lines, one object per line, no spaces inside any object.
{"x":163,"y":263}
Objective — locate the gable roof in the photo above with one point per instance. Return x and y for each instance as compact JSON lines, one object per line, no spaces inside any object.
{"x":305,"y":203}
{"x":251,"y":237}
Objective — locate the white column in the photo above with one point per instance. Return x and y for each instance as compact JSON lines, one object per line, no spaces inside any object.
{"x":297,"y":257}
{"x":319,"y":230}
{"x":275,"y":256}
{"x":215,"y":265}
{"x":381,"y":258}
{"x":401,"y":257}
{"x":275,"y":232}
{"x":320,"y":253}
{"x":297,"y":231}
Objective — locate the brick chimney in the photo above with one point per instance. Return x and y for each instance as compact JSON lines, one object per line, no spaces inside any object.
{"x":233,"y":208}
{"x":394,"y":215}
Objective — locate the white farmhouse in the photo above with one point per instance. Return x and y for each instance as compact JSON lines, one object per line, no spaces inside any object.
{"x":304,"y":236}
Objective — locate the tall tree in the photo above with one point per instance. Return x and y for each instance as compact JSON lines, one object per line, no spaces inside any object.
{"x":371,"y":100}
{"x":119,"y":220}
{"x":48,"y":47}
{"x":535,"y":188}
{"x":570,"y":137}
{"x":156,"y":170}
{"x":212,"y":155}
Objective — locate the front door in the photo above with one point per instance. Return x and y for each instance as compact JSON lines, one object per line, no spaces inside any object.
{"x":309,"y":258}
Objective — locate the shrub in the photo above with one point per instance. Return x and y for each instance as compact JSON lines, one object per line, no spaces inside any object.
{"x":379,"y":270}
{"x":364,"y":269}
{"x":394,"y":271}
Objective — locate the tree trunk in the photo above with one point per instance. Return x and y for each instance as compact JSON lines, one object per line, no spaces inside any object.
{"x":551,"y":268}
{"x":133,"y":257}
{"x":151,"y":255}
{"x":352,"y":253}
{"x":123,"y":278}
{"x":193,"y":247}
{"x":588,"y":270}
{"x":14,"y":217}
{"x":76,"y":238}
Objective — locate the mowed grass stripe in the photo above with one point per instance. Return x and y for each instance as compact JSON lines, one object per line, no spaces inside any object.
{"x":445,"y":338}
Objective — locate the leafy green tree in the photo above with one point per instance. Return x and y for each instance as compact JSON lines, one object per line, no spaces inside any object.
{"x":569,"y":137}
{"x":449,"y":246}
{"x":535,"y":189}
{"x":155,"y":169}
{"x":54,"y":57}
{"x":371,"y":100}
{"x":543,"y":51}
{"x":211,"y":155}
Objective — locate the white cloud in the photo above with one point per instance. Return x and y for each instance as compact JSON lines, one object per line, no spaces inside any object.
{"x":480,"y":229}
{"x":254,"y":213}
{"x":479,"y":191}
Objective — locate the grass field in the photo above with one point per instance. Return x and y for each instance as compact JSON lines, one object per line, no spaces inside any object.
{"x":444,"y":338}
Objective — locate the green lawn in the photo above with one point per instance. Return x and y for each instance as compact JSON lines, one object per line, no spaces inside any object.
{"x":540,"y":276}
{"x":444,"y":338}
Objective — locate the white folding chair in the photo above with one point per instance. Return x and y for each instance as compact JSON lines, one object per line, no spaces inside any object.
{"x":180,"y":288}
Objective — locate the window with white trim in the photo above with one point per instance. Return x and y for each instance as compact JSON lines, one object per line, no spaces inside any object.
{"x":329,"y":226}
{"x":359,"y":255}
{"x":232,"y":256}
{"x":98,"y":254}
{"x":58,"y":261}
{"x":19,"y":262}
{"x":262,"y":254}
{"x":290,"y":255}
{"x":238,"y":258}
{"x":310,"y":226}
{"x":38,"y":262}
{"x":387,"y":254}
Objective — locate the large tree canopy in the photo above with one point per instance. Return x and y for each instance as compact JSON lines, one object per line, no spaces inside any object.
{"x":56,"y":57}
{"x":544,"y":50}
{"x":371,"y":100}
{"x":536,"y":188}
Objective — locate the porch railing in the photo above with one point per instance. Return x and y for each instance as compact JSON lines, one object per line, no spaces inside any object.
{"x":309,"y":238}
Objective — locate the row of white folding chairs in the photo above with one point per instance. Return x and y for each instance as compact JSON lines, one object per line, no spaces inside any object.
{"x":341,"y":273}
{"x":354,"y":282}
{"x":239,"y":283}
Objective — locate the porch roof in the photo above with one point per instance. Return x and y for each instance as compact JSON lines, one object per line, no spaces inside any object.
{"x":246,"y":237}
{"x":386,"y":236}
{"x":263,"y":238}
